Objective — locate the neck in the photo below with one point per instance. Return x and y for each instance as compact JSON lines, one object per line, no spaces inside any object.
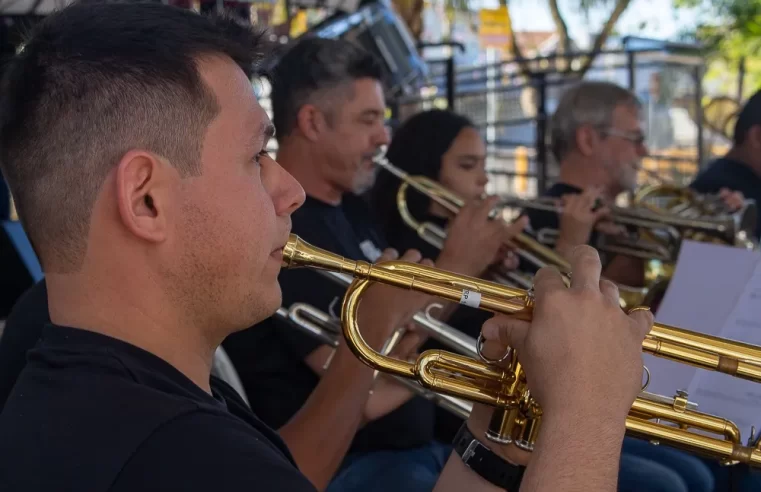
{"x":582,"y":174}
{"x":304,"y":164}
{"x":137,"y":312}
{"x":740,"y":155}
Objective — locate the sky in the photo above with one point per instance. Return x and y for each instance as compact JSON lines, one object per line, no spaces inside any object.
{"x":659,"y":18}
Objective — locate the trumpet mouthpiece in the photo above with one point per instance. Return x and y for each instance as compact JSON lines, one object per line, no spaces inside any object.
{"x":299,"y":253}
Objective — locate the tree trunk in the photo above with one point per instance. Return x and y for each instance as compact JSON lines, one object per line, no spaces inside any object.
{"x":621,"y":6}
{"x":515,"y":49}
{"x":564,"y":45}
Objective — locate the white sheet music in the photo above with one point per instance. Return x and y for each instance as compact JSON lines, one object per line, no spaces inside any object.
{"x":715,"y":290}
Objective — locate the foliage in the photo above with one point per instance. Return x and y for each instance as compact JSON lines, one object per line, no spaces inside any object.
{"x":730,"y":30}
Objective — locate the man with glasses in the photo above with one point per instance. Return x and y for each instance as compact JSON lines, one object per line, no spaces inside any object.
{"x":598,"y":141}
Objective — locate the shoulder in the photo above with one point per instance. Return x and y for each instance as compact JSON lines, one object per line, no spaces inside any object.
{"x":706,"y":180}
{"x":32,"y":306}
{"x":205,"y":451}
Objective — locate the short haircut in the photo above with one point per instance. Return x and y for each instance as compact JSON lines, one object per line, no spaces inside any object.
{"x":309,"y":70}
{"x":586,"y":103}
{"x":749,"y":116}
{"x":93,"y":81}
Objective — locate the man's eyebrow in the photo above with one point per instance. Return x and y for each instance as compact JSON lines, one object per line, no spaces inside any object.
{"x":265,"y":133}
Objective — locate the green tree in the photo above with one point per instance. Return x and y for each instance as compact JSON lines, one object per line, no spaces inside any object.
{"x":730,"y":31}
{"x":411,"y":12}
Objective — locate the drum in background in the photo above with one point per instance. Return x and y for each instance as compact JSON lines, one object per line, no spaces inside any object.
{"x":377,"y":28}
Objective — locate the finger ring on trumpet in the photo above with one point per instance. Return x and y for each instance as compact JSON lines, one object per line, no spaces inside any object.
{"x":479,"y":347}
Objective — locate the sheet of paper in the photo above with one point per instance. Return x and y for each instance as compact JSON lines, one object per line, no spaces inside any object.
{"x":707,"y":283}
{"x":726,"y":396}
{"x":715,"y":290}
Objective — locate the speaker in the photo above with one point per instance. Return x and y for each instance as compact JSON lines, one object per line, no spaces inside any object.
{"x":18,"y":264}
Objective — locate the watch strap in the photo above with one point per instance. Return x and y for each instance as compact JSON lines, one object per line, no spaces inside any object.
{"x":483,"y":461}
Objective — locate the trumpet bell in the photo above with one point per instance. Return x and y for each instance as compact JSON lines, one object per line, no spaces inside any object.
{"x":736,"y":228}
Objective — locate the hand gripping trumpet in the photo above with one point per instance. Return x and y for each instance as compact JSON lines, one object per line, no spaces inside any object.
{"x":529,"y":248}
{"x":671,"y":421}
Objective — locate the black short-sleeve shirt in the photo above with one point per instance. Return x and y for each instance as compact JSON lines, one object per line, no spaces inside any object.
{"x":734,"y":175}
{"x":270,"y":357}
{"x":90,"y":413}
{"x":23,"y":329}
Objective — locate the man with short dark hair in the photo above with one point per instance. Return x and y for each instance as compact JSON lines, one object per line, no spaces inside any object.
{"x":740,"y":169}
{"x":132,"y":138}
{"x":133,"y":144}
{"x":329,"y":111}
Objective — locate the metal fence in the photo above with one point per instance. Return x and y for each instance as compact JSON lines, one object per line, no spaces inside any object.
{"x":514,"y":111}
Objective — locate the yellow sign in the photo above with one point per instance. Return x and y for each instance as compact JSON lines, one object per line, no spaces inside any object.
{"x":494,"y":28}
{"x":299,"y":24}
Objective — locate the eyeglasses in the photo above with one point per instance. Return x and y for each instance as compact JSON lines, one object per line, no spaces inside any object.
{"x":634,"y":137}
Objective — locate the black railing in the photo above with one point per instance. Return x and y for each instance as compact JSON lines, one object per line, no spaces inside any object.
{"x":515,"y":111}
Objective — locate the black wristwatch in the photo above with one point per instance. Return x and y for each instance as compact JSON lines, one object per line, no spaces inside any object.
{"x":486,"y":463}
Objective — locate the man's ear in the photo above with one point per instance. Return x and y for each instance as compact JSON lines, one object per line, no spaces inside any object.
{"x":586,"y":140}
{"x":143,"y":194}
{"x":311,"y":121}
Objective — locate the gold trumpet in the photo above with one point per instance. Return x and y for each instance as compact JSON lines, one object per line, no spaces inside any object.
{"x":664,"y":215}
{"x":518,"y":416}
{"x":733,"y":228}
{"x":326,"y":329}
{"x":529,"y":249}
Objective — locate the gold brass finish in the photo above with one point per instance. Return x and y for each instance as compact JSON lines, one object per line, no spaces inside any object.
{"x":529,"y":249}
{"x":321,"y":325}
{"x":733,"y":228}
{"x":518,"y":417}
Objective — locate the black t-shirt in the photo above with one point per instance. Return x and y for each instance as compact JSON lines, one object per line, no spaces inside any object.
{"x":22,"y":331}
{"x":734,"y":175}
{"x":404,"y":238}
{"x":90,"y":413}
{"x":270,"y":357}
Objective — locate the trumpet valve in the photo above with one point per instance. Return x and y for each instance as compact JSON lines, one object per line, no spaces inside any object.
{"x":530,"y":428}
{"x":502,"y":425}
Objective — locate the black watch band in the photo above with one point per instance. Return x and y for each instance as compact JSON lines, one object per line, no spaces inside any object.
{"x":486,"y":463}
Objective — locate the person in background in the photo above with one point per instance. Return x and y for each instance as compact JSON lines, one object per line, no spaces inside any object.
{"x":447,"y":147}
{"x":328,"y":108}
{"x":598,"y":142}
{"x":740,"y":169}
